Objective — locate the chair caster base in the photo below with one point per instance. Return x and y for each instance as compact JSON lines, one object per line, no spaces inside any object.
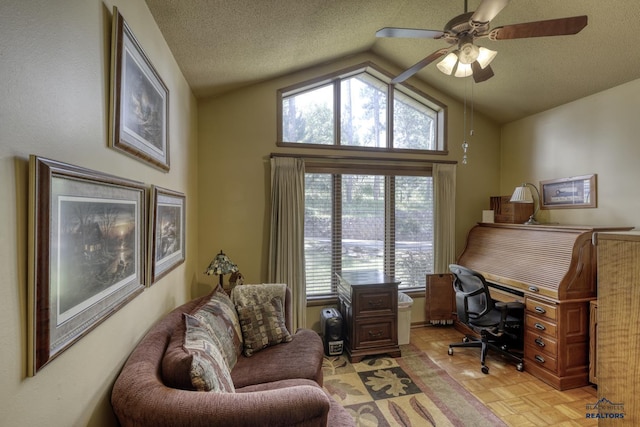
{"x":520,"y":367}
{"x":485,"y":369}
{"x":450,"y":351}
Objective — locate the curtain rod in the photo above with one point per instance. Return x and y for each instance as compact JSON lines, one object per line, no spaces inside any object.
{"x":359,"y":158}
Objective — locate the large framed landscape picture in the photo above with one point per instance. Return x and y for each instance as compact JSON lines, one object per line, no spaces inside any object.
{"x":167,"y":231}
{"x":139,"y":100}
{"x":87,"y":252}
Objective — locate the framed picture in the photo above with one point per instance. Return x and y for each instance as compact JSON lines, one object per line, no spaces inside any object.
{"x":573,"y":192}
{"x":167,"y":237}
{"x":86,"y":253}
{"x":139,"y":110}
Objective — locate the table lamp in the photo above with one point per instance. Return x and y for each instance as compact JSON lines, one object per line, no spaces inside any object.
{"x":221,"y":265}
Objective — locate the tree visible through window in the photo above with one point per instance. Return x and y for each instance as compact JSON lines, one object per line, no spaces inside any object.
{"x":364,"y":222}
{"x":360,"y":109}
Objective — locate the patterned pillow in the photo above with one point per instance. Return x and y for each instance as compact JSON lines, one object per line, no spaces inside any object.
{"x":219,"y":315}
{"x":209,"y":371}
{"x":262,"y":326}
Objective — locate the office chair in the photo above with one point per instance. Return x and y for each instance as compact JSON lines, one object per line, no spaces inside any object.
{"x":499,"y":324}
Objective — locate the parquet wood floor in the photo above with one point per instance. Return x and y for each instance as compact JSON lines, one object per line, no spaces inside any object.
{"x":518,"y":398}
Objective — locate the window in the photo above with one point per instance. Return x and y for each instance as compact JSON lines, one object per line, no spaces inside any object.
{"x":366,"y":219}
{"x":358,"y":109}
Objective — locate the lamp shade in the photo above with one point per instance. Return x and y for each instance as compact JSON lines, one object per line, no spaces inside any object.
{"x":220,"y":265}
{"x":522,"y":194}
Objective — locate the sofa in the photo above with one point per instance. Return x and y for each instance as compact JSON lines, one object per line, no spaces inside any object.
{"x":214,"y":361}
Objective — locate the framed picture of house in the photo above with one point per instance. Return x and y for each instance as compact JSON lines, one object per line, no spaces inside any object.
{"x":139,"y":100}
{"x":87,"y":246}
{"x":573,"y":192}
{"x":167,"y":237}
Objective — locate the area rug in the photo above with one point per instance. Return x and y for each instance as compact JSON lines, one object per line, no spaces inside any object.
{"x":411,"y":390}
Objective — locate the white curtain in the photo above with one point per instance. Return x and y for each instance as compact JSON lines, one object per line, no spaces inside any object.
{"x":286,"y":242}
{"x":444,"y":184}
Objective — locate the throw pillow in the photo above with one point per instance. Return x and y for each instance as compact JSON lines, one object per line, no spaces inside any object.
{"x":209,"y":371}
{"x":219,"y":315}
{"x":263,"y":325}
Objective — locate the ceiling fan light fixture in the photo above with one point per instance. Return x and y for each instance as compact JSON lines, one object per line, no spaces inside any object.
{"x":485,"y":56}
{"x":448,"y":63}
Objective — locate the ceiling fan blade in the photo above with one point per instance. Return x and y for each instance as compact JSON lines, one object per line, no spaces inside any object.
{"x":552,"y":27}
{"x":420,"y":65}
{"x":481,"y":74}
{"x":409,"y":33}
{"x":487,"y":10}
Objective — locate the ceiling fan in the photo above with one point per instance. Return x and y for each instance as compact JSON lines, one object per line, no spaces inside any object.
{"x":464,"y":58}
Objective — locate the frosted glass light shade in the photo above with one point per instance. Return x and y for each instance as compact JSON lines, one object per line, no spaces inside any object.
{"x":485,"y":56}
{"x":448,"y":63}
{"x":463,"y":70}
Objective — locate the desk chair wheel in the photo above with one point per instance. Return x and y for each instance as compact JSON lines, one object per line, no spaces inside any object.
{"x":520,"y":367}
{"x":450,"y":351}
{"x":485,"y":369}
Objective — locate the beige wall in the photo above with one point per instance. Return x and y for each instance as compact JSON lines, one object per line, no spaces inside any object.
{"x":237,"y":132}
{"x":54,"y":68}
{"x":597,"y":134}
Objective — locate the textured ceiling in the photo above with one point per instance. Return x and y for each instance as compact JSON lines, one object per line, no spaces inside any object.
{"x":225,"y":44}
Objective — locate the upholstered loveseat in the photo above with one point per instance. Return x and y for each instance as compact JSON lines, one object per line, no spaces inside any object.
{"x":168,"y":380}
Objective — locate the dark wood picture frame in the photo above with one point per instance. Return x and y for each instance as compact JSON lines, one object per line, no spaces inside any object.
{"x":139,"y":100}
{"x":167,"y":237}
{"x":87,"y":247}
{"x":573,"y":192}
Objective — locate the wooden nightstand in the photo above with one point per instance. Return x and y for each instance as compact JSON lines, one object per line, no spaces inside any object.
{"x":368,"y":302}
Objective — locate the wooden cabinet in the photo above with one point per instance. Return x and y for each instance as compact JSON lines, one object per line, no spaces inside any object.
{"x":618,"y":343}
{"x":556,"y":337}
{"x":368,"y":302}
{"x":512,"y":213}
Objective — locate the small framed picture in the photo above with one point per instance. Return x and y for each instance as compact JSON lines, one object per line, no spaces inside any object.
{"x":167,"y":232}
{"x":573,"y":192}
{"x":87,"y":250}
{"x":139,"y":101}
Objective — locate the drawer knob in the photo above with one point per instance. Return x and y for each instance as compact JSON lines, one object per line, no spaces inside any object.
{"x":375,"y":334}
{"x":540,"y":309}
{"x":375,"y":304}
{"x":539,"y":326}
{"x":539,"y":358}
{"x":533,"y":289}
{"x":539,"y":342}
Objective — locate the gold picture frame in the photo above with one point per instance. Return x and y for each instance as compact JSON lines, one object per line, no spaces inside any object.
{"x":167,"y":236}
{"x":139,"y":100}
{"x":87,"y":246}
{"x":574,"y":192}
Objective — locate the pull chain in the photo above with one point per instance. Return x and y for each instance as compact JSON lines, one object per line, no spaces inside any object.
{"x":465,"y":144}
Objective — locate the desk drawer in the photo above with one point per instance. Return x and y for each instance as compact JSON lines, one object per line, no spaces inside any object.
{"x":540,"y":325}
{"x":542,"y":309}
{"x":541,"y":342}
{"x":540,"y":358}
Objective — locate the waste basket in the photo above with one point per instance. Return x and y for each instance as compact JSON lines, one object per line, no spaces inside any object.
{"x":404,"y":318}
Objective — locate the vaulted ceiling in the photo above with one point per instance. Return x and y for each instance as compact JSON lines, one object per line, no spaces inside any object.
{"x":225,"y":44}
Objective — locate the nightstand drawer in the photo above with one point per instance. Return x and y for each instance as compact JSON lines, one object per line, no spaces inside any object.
{"x":376,"y":333}
{"x":374,"y":303}
{"x":540,"y":325}
{"x":541,"y":342}
{"x":541,"y":309}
